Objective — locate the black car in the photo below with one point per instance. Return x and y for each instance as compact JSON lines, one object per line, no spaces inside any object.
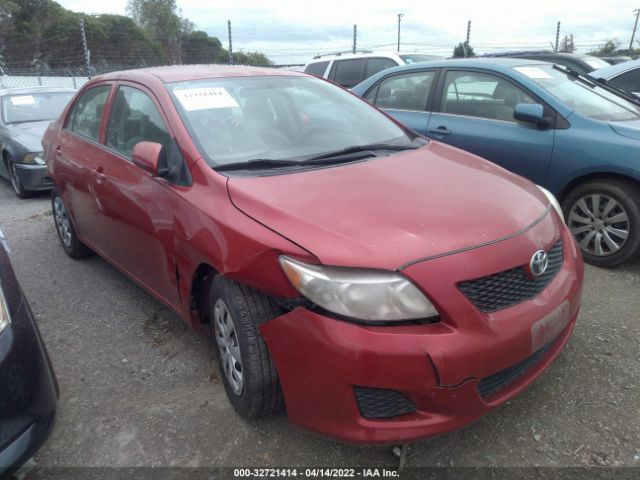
{"x":28,"y":387}
{"x":579,"y":63}
{"x":26,"y":113}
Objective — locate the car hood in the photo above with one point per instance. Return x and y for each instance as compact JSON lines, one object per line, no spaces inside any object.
{"x":28,"y":134}
{"x":630,"y":129}
{"x":386,"y":212}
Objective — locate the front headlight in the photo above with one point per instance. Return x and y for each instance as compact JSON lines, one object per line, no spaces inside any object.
{"x":35,"y":158}
{"x":553,"y":201}
{"x":4,"y":312}
{"x":359,"y":293}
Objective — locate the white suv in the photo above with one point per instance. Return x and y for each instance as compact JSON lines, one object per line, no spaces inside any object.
{"x":350,"y":69}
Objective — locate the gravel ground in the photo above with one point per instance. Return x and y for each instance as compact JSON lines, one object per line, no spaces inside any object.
{"x":139,"y":388}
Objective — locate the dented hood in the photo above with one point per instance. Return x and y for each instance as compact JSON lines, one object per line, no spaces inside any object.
{"x":386,"y":212}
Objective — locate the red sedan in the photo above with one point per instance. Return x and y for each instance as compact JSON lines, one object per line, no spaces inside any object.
{"x":383,"y":287}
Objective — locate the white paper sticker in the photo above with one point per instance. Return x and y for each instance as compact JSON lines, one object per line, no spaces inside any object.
{"x":23,"y":100}
{"x":533,"y":72}
{"x":205,"y":98}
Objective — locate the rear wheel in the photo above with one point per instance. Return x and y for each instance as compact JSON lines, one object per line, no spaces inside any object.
{"x":66,"y":232}
{"x":16,"y":183}
{"x":248,"y":372}
{"x":604,"y":217}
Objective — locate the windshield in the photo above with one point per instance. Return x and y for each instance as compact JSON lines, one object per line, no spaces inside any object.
{"x":587,"y":99}
{"x":34,"y":107}
{"x":417,"y":57}
{"x":278,"y":117}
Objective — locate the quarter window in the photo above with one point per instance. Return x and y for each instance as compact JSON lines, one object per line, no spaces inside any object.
{"x":375,"y":65}
{"x":87,"y":113}
{"x":405,"y":92}
{"x":482,"y":95}
{"x":317,"y":68}
{"x":348,"y":73}
{"x":134,"y":118}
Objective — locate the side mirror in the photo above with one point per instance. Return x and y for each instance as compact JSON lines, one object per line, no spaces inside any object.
{"x":530,"y":113}
{"x":146,"y":155}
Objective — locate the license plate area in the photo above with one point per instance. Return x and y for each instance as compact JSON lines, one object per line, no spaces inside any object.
{"x":549,"y":327}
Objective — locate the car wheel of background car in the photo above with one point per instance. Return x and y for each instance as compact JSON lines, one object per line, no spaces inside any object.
{"x":604,"y":217}
{"x":15,"y":179}
{"x":248,"y":373}
{"x":66,"y":232}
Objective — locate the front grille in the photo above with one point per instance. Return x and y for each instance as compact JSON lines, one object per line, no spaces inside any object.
{"x":496,"y":382}
{"x":382,"y":403}
{"x":504,"y":289}
{"x":11,"y":428}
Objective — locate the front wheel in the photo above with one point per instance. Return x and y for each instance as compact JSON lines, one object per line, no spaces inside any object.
{"x":604,"y":217}
{"x":248,"y":373}
{"x":16,"y":183}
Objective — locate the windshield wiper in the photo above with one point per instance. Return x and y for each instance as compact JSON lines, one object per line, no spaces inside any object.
{"x":599,"y":82}
{"x":345,"y":155}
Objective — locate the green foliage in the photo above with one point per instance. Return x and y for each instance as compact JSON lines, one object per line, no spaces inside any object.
{"x":463,"y":50}
{"x":251,"y":58}
{"x":607,"y":49}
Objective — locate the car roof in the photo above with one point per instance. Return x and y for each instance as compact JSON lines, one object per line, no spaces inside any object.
{"x":182,"y":73}
{"x":345,"y":56}
{"x":615,"y":70}
{"x":27,"y":90}
{"x":486,"y":62}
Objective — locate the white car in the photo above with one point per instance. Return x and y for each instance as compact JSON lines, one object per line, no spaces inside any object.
{"x":350,"y":69}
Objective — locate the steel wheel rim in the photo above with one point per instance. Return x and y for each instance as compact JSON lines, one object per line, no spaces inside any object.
{"x":15,"y":179}
{"x":62,"y":222}
{"x":228,"y":346}
{"x":600,"y":224}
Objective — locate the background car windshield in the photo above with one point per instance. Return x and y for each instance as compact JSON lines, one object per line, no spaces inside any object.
{"x":277,"y":117}
{"x":594,"y":102}
{"x":34,"y":107}
{"x":416,"y":57}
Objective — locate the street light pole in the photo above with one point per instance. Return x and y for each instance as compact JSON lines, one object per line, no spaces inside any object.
{"x":400,"y":15}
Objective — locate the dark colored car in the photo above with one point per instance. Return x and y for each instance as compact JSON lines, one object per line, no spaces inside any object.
{"x":384,"y":287}
{"x":28,"y":388}
{"x":622,"y":75}
{"x":560,"y":129}
{"x":26,"y":112}
{"x":578,"y":62}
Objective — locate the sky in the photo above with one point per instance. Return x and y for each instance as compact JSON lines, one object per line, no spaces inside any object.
{"x":293,"y":31}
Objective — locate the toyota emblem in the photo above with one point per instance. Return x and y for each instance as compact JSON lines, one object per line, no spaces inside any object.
{"x":539,"y":262}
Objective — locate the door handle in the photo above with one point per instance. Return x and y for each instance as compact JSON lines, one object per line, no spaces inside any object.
{"x":99,"y":175}
{"x":441,"y":130}
{"x":58,"y":150}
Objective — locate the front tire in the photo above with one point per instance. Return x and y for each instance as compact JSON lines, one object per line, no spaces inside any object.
{"x":604,"y":218}
{"x":247,"y":370}
{"x":71,"y":244}
{"x":16,"y":183}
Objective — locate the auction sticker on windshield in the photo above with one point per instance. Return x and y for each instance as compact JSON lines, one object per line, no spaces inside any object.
{"x":533,"y":72}
{"x":23,"y":100}
{"x":205,"y":98}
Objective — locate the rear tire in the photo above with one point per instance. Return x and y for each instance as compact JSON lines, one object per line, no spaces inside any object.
{"x":247,"y":370}
{"x":604,"y":217}
{"x":69,"y":240}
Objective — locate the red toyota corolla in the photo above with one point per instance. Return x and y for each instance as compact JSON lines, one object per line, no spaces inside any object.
{"x":383,"y":287}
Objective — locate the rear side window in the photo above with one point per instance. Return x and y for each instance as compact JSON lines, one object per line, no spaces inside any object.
{"x":405,"y":92}
{"x":375,"y":65}
{"x":630,"y":80}
{"x":134,"y":118}
{"x":348,"y":73}
{"x":87,"y":113}
{"x":317,"y":68}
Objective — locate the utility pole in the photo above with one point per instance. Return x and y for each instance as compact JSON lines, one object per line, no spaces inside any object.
{"x":355,"y":36}
{"x":87,"y":52}
{"x":635,"y":25}
{"x":557,"y":37}
{"x":400,"y":15}
{"x":468,"y":31}
{"x":230,"y":44}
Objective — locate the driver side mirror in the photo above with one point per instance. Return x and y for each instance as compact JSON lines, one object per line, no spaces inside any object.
{"x":532,"y":113}
{"x":146,"y":155}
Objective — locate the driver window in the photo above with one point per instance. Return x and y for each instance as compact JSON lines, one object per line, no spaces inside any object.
{"x":134,"y":118}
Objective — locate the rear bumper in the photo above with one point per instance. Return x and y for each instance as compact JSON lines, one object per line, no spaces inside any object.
{"x":437,"y":367}
{"x":34,"y":177}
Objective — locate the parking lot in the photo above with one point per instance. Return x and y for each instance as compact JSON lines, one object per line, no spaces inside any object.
{"x":138,"y":388}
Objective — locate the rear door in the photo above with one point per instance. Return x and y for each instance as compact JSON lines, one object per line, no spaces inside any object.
{"x":474,"y":111}
{"x":406,"y":97}
{"x":78,"y":158}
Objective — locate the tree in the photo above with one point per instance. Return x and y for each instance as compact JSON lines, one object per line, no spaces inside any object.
{"x":161,"y":20}
{"x":251,"y":58}
{"x":198,"y":47}
{"x":607,"y":49}
{"x":463,"y":50}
